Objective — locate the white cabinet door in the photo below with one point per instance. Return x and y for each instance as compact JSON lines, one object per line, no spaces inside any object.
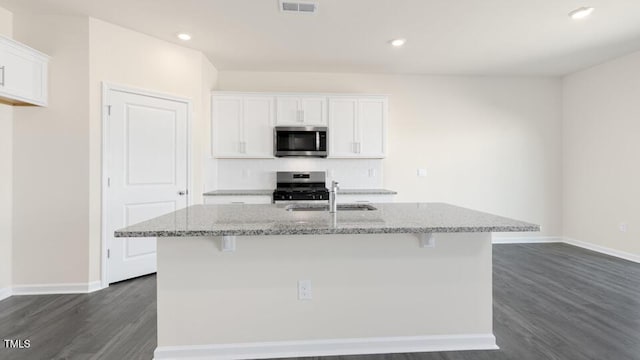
{"x":258,"y":126}
{"x":314,"y":111}
{"x":301,"y":110}
{"x":23,"y":74}
{"x":237,"y":199}
{"x":343,"y":114}
{"x":372,"y":115}
{"x":242,"y":126}
{"x":369,"y":198}
{"x":288,"y":110}
{"x":227,"y":126}
{"x":357,"y":127}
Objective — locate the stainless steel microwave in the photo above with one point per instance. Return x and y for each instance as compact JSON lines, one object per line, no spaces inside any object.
{"x":305,"y":141}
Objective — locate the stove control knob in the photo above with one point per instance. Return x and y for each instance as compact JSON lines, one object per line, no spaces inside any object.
{"x":290,"y":197}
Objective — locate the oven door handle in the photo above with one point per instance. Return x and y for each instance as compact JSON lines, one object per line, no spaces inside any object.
{"x":317,"y":140}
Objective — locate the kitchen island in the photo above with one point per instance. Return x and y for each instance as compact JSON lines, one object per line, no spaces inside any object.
{"x":262,"y":281}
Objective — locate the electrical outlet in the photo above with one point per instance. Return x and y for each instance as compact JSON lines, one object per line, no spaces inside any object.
{"x":422,"y":172}
{"x":623,"y":227}
{"x":372,"y":172}
{"x":304,"y":289}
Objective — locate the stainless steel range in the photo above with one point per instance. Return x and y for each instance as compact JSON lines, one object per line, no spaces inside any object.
{"x":300,"y":186}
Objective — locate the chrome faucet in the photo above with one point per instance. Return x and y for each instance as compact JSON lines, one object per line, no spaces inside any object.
{"x":333,"y":197}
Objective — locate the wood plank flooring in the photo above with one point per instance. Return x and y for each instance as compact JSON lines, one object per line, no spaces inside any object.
{"x":551,"y":301}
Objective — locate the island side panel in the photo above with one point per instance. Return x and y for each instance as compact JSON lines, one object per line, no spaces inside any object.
{"x":382,"y":285}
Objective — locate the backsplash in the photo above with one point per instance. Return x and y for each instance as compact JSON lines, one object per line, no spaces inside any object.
{"x":261,"y":173}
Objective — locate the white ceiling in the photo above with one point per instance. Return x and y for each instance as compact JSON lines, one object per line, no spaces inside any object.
{"x":480,"y":37}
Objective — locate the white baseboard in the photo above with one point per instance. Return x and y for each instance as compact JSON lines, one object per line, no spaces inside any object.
{"x":329,"y":347}
{"x":94,"y":286}
{"x":603,"y":250}
{"x":563,"y":239}
{"x":5,"y":293}
{"x":51,"y":289}
{"x":526,"y":239}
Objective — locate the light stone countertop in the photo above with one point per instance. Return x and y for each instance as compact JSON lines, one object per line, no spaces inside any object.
{"x":261,"y":192}
{"x":274,"y":219}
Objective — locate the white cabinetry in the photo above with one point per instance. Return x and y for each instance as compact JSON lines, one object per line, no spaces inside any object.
{"x":301,"y":110}
{"x":365,"y":198}
{"x":242,"y":126}
{"x":357,"y":127}
{"x":243,"y":122}
{"x":238,"y":199}
{"x":23,"y":74}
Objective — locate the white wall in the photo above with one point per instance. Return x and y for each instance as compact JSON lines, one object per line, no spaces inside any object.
{"x":6,"y":172}
{"x":126,"y":57}
{"x":601,"y":151}
{"x":51,"y":158}
{"x":491,"y":144}
{"x":56,"y":150}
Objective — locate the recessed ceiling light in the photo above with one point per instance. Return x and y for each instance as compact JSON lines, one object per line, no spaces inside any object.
{"x":398,"y":42}
{"x":581,"y":13}
{"x":184,"y":36}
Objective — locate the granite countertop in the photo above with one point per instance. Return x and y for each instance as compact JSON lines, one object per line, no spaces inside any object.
{"x":274,"y":219}
{"x":260,"y":192}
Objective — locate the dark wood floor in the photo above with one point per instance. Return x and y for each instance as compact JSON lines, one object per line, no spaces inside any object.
{"x":551,"y":301}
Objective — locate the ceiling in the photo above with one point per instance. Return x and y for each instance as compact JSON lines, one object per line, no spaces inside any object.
{"x":471,"y":37}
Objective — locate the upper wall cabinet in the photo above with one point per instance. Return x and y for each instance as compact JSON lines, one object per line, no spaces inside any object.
{"x":358,"y":127}
{"x":242,"y":123}
{"x":242,"y":126}
{"x":23,"y":74}
{"x":301,"y":110}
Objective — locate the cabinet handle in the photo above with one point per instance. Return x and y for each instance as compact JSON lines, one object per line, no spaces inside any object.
{"x":302,"y":115}
{"x":2,"y":82}
{"x":359,"y":147}
{"x":243,"y":147}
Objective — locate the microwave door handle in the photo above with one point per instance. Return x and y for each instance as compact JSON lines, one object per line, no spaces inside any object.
{"x":317,"y":141}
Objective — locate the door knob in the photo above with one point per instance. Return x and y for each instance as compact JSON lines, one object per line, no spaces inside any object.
{"x":182,"y":192}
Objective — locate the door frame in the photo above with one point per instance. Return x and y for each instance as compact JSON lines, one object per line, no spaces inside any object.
{"x":106,"y":152}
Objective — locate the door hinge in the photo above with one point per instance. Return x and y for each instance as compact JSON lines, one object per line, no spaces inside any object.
{"x":108,"y":253}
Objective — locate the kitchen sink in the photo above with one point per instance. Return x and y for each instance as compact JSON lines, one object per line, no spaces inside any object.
{"x":325,"y":207}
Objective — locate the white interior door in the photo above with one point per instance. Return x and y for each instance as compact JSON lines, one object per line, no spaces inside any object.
{"x":147,"y":170}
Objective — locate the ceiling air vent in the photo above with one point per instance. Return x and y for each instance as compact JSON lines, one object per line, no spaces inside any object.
{"x":298,"y":7}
